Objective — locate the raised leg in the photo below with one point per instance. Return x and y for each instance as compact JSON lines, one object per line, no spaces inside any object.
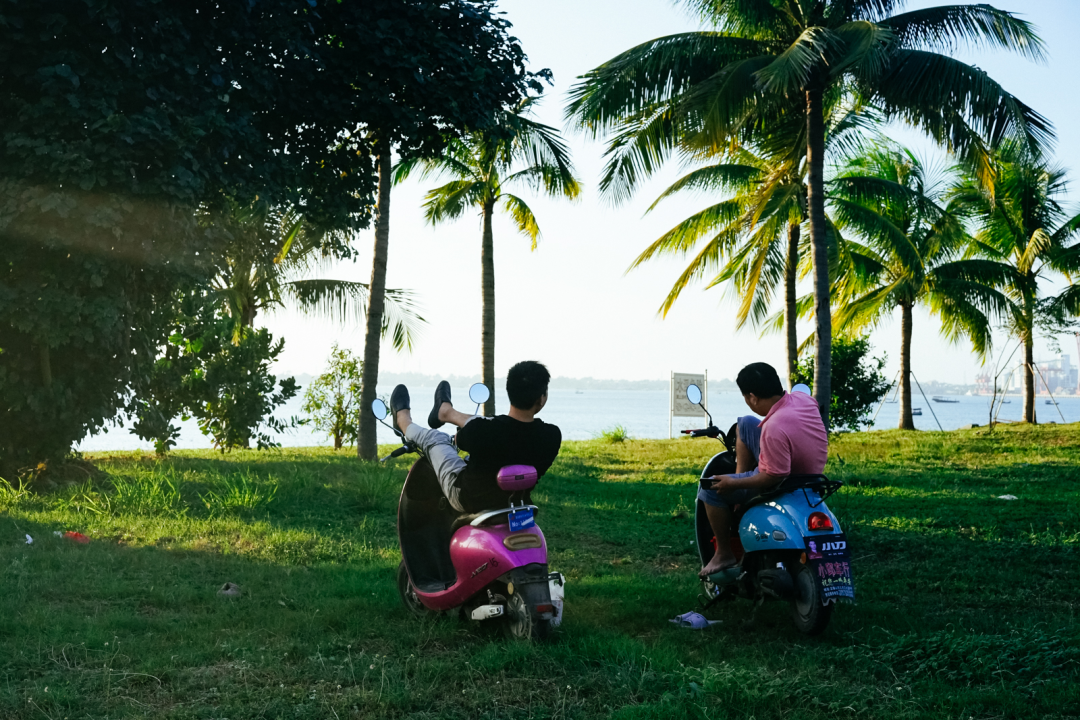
{"x":447,"y":413}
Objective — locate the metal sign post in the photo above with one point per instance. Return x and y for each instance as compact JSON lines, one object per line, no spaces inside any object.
{"x":680,"y":405}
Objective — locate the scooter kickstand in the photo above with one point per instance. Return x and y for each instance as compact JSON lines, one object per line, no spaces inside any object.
{"x":749,"y":622}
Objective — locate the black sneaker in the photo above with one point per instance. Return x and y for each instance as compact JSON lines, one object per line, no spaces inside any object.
{"x":399,"y":400}
{"x":442,"y":394}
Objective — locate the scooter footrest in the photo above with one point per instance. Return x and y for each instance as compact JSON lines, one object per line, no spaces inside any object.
{"x":725,"y":576}
{"x":485,"y":612}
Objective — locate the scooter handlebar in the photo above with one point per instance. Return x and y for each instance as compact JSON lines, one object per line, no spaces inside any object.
{"x":398,"y":453}
{"x":711,"y":431}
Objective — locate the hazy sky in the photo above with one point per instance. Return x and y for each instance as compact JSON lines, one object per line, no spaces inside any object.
{"x":570,"y":303}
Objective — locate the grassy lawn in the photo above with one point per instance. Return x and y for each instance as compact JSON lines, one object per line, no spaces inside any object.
{"x":968,"y":604}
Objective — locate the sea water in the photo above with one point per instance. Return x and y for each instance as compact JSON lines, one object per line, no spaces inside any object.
{"x":582,"y":415}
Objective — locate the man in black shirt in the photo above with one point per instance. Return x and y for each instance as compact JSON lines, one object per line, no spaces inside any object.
{"x":517,"y":438}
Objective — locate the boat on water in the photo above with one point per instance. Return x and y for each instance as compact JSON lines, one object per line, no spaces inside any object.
{"x":916,"y":411}
{"x":1051,"y":402}
{"x":945,"y":399}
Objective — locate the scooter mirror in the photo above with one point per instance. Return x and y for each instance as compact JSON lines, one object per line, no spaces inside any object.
{"x":479,"y":393}
{"x":379,"y":409}
{"x":805,"y":389}
{"x":693,"y":394}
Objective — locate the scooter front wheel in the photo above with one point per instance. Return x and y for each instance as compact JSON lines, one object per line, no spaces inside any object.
{"x":809,"y":614}
{"x":408,"y":594}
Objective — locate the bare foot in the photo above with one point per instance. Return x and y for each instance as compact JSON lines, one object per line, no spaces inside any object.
{"x":445,"y":412}
{"x":718,"y":563}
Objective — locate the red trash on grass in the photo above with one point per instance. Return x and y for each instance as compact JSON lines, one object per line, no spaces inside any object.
{"x":77,"y":537}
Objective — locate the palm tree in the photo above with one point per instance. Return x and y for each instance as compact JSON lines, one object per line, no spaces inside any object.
{"x":909,"y":252}
{"x":484,"y":165}
{"x":748,"y":228}
{"x":269,"y":263}
{"x":765,"y":58}
{"x":764,"y":203}
{"x":1023,"y":226}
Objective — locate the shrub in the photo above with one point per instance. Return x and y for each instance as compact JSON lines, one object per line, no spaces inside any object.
{"x":616,"y":434}
{"x":857,"y":382}
{"x":331,"y":398}
{"x":225,"y":385}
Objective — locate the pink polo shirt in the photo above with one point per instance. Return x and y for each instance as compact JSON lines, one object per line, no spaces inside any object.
{"x":793,"y":438}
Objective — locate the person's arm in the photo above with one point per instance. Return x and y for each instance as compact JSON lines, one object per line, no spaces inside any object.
{"x":759,"y":481}
{"x":555,"y":443}
{"x":471,"y":436}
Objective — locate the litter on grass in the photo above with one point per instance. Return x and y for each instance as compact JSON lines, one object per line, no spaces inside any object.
{"x":693,"y":621}
{"x":1007,"y":497}
{"x":29,"y":540}
{"x":77,"y":537}
{"x":229,"y":590}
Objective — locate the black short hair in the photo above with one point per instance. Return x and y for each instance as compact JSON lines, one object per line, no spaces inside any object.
{"x":526,"y":383}
{"x":760,"y":379}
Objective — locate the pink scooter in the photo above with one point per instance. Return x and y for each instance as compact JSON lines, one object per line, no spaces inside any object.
{"x":490,"y":565}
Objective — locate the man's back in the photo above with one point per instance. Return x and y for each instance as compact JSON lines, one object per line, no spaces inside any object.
{"x":495,"y":442}
{"x":793,"y":438}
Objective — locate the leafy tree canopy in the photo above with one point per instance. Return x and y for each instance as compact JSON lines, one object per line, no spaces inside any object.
{"x":121,"y":117}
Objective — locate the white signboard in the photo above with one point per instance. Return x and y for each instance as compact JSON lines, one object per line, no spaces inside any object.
{"x":680,"y":405}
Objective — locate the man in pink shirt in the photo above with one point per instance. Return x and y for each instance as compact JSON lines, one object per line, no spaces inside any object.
{"x":791,"y":440}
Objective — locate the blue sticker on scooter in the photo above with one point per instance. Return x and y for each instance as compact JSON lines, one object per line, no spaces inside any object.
{"x":521,"y":519}
{"x":828,"y":558}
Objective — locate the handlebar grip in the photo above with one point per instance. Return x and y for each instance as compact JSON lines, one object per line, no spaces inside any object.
{"x":711,"y":431}
{"x":399,"y":452}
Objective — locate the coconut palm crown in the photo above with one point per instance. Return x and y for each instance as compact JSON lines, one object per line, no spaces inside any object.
{"x":517,"y":152}
{"x":763,"y":56}
{"x":904,"y":245}
{"x":1023,"y":225}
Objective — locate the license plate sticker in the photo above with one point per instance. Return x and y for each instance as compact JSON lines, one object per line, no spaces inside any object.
{"x":521,"y":519}
{"x":829,"y":559}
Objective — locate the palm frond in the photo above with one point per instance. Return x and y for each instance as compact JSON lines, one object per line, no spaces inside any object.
{"x":651,"y":73}
{"x":862,"y":44}
{"x":789,"y":71}
{"x":721,"y":177}
{"x":946,"y":28}
{"x":523,"y":217}
{"x":450,"y":201}
{"x":957,"y":104}
{"x":723,"y":216}
{"x":345,"y":301}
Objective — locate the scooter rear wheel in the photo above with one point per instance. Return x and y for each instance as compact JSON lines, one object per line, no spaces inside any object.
{"x":809,"y":615}
{"x":518,"y":622}
{"x":408,"y":593}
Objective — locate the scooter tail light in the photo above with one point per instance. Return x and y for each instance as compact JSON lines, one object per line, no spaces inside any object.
{"x":819,"y":521}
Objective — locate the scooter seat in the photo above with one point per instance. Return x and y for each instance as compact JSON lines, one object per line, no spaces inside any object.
{"x":494,"y":517}
{"x":819,"y":484}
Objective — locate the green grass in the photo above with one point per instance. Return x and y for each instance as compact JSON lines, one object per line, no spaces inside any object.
{"x":968,"y":605}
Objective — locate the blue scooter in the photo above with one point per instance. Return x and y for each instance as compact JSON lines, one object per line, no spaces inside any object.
{"x":788,"y":543}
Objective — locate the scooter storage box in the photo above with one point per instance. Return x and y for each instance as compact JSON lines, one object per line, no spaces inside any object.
{"x":514,"y":478}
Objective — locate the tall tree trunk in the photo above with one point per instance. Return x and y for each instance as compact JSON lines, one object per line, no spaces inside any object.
{"x":366,"y":445}
{"x":46,"y":365}
{"x":789,"y":301}
{"x":907,"y":422}
{"x":815,"y":192}
{"x":1029,"y":375}
{"x":487,"y":282}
